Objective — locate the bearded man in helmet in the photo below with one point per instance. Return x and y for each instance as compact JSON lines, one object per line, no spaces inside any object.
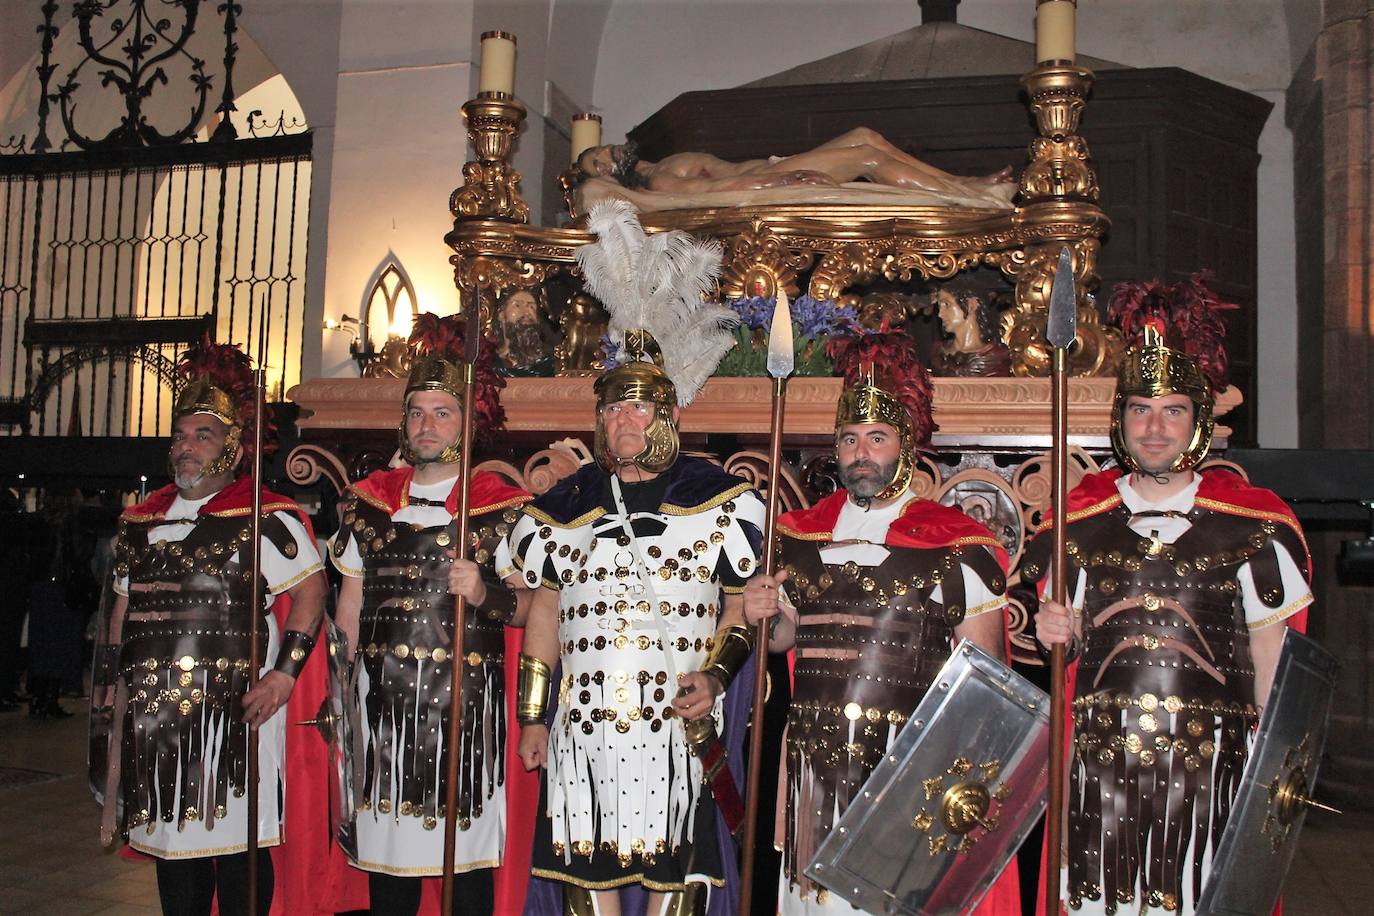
{"x":1181,"y":582}
{"x":172,"y":713}
{"x":871,"y":565}
{"x":638,"y":561}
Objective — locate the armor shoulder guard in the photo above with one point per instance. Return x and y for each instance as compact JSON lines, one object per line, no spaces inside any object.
{"x":983,"y":564}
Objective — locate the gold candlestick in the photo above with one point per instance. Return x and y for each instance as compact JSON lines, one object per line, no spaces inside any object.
{"x":491,"y":185}
{"x":1060,"y":194}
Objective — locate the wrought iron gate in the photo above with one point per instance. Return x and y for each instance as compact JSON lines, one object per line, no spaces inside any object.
{"x":120,"y":247}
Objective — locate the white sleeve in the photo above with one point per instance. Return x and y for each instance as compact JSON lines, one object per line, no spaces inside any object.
{"x":1296,"y":592}
{"x":283,"y":572}
{"x":350,"y":561}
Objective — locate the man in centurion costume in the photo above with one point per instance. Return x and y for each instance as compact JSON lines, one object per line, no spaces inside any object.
{"x":630,"y":557}
{"x":395,"y":550}
{"x":874,"y":588}
{"x":172,"y":664}
{"x":1181,"y":583}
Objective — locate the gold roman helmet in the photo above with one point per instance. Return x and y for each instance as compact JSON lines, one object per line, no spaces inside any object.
{"x":431,"y":373}
{"x":666,"y":337}
{"x":641,"y":378}
{"x":1153,"y":370}
{"x":218,"y":382}
{"x":865,"y":402}
{"x":885,"y":382}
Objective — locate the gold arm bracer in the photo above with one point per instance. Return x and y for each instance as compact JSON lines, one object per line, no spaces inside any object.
{"x":731,"y":650}
{"x":532,"y":690}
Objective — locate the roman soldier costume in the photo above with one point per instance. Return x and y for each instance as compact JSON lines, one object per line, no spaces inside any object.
{"x":170,"y":747}
{"x":396,"y":536}
{"x":878,"y":592}
{"x":640,"y":569}
{"x":1168,"y":592}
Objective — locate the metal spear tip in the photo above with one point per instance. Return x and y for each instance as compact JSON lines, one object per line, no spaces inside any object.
{"x":781,"y":360}
{"x":472,"y":335}
{"x":1063,"y":318}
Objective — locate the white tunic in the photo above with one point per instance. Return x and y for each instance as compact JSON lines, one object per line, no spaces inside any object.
{"x":619,"y":766}
{"x":388,"y":842}
{"x":229,"y":834}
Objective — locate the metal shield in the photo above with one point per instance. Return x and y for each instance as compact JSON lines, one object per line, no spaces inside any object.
{"x":1261,"y":835}
{"x":952,"y":800}
{"x":338,"y":723}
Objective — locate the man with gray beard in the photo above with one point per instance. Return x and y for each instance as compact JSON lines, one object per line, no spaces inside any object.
{"x":874,"y":587}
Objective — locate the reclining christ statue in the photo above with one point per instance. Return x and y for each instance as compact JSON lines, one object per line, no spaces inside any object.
{"x":859,"y":166}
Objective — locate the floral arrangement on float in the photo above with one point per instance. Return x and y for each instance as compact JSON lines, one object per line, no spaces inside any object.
{"x":814,"y":323}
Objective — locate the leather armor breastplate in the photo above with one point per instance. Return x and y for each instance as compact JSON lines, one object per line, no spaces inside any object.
{"x":869,"y":643}
{"x":405,"y":635}
{"x":184,"y":663}
{"x":1164,"y":697}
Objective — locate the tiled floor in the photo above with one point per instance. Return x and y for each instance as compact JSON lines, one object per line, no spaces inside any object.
{"x":51,"y":863}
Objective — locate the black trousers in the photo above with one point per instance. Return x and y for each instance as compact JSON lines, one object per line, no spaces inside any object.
{"x":474,"y":894}
{"x":187,"y":887}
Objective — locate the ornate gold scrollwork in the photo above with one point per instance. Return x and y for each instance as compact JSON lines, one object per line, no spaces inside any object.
{"x":1098,"y":348}
{"x":853,"y":263}
{"x":1060,"y":165}
{"x":758,"y":262}
{"x":901,"y":264}
{"x":491,"y":186}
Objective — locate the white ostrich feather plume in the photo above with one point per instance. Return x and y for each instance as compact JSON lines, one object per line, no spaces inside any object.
{"x":659,"y":283}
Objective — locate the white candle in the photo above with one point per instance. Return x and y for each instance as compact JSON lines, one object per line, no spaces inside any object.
{"x":1054,"y":25}
{"x":586,"y":133}
{"x":498,"y":63}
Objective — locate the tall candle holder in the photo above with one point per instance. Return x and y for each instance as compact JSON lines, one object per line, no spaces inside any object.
{"x":1059,"y":198}
{"x":491,"y":185}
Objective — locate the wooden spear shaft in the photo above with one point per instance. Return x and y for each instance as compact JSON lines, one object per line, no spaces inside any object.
{"x":751,"y":796}
{"x":456,"y":660}
{"x":1054,"y":816}
{"x":255,"y":620}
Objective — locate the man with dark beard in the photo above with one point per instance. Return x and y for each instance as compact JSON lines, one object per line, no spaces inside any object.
{"x":400,"y":572}
{"x":172,"y":712}
{"x":880,"y":586}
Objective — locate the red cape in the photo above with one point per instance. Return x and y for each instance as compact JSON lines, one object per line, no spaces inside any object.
{"x":312,"y":874}
{"x":389,"y":491}
{"x":923,"y":525}
{"x":1221,"y":490}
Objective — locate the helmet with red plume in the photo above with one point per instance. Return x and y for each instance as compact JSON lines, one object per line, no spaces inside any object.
{"x":218,"y":381}
{"x":885,"y":382}
{"x":1176,"y":337}
{"x":436,"y":348}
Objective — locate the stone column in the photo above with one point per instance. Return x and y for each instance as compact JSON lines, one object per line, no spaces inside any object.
{"x":1331,"y":113}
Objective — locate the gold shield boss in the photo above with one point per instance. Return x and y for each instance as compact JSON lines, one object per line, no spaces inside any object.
{"x":430,"y":373}
{"x":867,"y":403}
{"x":640,"y":378}
{"x":1154,"y":370}
{"x":201,"y":397}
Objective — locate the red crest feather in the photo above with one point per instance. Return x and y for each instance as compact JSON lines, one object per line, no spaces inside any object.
{"x":1188,"y":315}
{"x":897,"y":369}
{"x":230,"y":370}
{"x":443,"y":337}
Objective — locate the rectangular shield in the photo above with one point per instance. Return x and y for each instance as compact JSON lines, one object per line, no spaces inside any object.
{"x":1257,"y":846}
{"x":952,"y":800}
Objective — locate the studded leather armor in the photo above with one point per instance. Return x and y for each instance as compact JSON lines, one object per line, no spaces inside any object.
{"x":1164,"y":697}
{"x":870,"y":641}
{"x":184,"y":665}
{"x":405,"y":638}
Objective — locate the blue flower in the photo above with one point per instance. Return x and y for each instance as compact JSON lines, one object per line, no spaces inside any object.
{"x":810,"y":317}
